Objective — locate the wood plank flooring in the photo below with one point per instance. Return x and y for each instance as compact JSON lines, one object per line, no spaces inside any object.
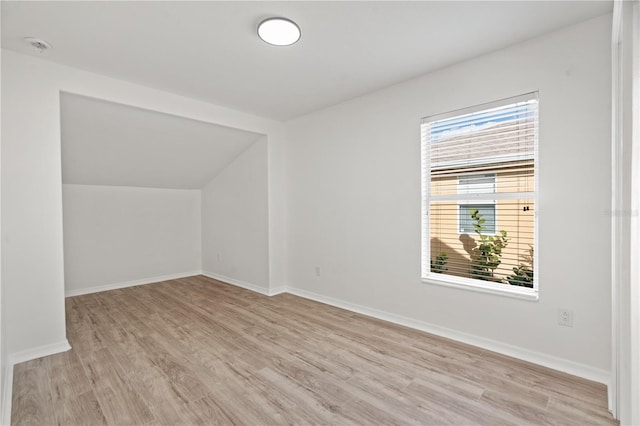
{"x":197,"y":351}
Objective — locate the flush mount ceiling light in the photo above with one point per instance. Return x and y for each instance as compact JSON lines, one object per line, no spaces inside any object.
{"x":38,"y":43}
{"x":279,"y":31}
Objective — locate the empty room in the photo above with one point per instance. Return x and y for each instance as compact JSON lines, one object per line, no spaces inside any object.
{"x":299,"y":212}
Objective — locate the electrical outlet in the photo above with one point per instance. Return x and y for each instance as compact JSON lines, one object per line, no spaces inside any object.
{"x":565,"y":317}
{"x":317,"y":271}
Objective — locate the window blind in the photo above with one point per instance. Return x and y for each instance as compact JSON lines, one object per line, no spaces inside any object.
{"x":479,"y":192}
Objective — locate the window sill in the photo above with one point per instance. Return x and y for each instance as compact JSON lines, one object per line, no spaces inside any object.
{"x":515,"y":292}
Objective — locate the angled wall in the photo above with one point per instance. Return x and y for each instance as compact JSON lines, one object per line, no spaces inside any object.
{"x":32,"y":233}
{"x":235,"y":220}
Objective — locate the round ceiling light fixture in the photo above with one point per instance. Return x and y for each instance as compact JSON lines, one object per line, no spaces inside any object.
{"x":279,"y":31}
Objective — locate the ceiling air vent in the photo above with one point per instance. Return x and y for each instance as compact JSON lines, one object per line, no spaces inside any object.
{"x":37,"y":43}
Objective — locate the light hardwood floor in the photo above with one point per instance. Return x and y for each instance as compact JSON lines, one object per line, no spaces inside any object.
{"x":196,"y":351}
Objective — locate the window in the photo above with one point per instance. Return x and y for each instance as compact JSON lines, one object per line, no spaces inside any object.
{"x":488,"y":212}
{"x":477,"y":184}
{"x":479,"y":193}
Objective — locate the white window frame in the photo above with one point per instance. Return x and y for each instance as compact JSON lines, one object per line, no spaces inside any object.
{"x":471,"y":284}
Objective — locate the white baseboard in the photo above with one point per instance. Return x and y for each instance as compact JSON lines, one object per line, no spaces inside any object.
{"x":7,"y":395}
{"x":114,"y":286}
{"x":277,"y":290}
{"x":238,"y":283}
{"x":39,"y":352}
{"x":549,"y":361}
{"x":560,"y":364}
{"x":556,"y":363}
{"x":17,"y":358}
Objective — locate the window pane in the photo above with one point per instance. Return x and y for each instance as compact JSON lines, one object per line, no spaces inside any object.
{"x":477,"y":184}
{"x":486,"y":211}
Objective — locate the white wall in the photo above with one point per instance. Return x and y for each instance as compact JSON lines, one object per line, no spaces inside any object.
{"x":626,"y":202}
{"x":353,"y":198}
{"x":3,"y":346}
{"x":32,"y":262}
{"x":32,"y":238}
{"x":634,"y":299}
{"x":235,"y":220}
{"x":114,"y":235}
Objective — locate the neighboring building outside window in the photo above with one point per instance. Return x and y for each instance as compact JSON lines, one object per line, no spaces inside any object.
{"x":488,"y":212}
{"x":479,"y":174}
{"x":477,"y":184}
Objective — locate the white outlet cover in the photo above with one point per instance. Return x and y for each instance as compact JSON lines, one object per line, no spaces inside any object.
{"x":565,"y":317}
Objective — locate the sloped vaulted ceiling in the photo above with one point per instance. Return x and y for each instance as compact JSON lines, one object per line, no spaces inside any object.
{"x":210,"y":51}
{"x":104,"y":143}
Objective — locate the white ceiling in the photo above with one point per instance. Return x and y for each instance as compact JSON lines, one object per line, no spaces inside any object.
{"x":104,"y":143}
{"x":210,"y":51}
